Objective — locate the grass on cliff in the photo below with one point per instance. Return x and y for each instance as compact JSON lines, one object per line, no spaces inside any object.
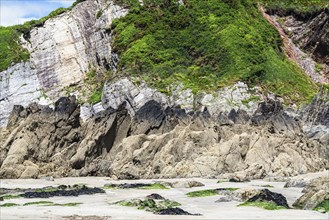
{"x":263,"y":205}
{"x":205,"y":45}
{"x":298,"y":6}
{"x":11,"y":50}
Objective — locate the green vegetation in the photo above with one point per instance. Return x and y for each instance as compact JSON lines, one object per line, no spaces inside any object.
{"x":10,"y":196}
{"x":47,"y":203}
{"x":109,"y":186}
{"x":126,"y":203}
{"x":296,"y":5}
{"x":205,"y":45}
{"x":203,"y":193}
{"x":264,"y":205}
{"x":155,"y":186}
{"x":323,"y":206}
{"x":95,"y":97}
{"x":47,"y":189}
{"x":8,"y":205}
{"x":318,"y":67}
{"x":209,"y":192}
{"x":229,"y":189}
{"x":99,"y":14}
{"x":38,"y":203}
{"x":11,"y":50}
{"x":149,"y":204}
{"x":252,"y":98}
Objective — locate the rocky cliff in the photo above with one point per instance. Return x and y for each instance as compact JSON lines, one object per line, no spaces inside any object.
{"x":306,"y":36}
{"x":238,"y":131}
{"x":159,"y":142}
{"x":66,"y":47}
{"x":61,"y":52}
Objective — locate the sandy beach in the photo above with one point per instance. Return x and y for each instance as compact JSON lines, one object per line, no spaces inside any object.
{"x":100,"y":206}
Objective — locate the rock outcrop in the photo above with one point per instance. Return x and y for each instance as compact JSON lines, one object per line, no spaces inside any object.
{"x":61,"y":52}
{"x":156,"y":142}
{"x":314,"y":193}
{"x":308,"y":39}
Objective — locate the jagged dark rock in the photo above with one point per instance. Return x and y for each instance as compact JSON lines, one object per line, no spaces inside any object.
{"x":266,"y":195}
{"x":155,"y":196}
{"x":317,"y":113}
{"x":62,"y":192}
{"x":128,"y":185}
{"x":158,"y":142}
{"x":271,"y":113}
{"x":309,"y":30}
{"x":174,"y":211}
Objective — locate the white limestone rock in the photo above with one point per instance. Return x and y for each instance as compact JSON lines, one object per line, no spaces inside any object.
{"x":19,"y":85}
{"x":61,"y":52}
{"x":135,"y":96}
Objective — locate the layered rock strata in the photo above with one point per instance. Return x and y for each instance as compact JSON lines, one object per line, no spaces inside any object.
{"x":61,"y":52}
{"x":157,"y":142}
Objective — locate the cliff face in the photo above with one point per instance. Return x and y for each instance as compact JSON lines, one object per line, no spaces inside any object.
{"x":137,"y":131}
{"x":159,"y":142}
{"x":307,"y":37}
{"x":61,"y":52}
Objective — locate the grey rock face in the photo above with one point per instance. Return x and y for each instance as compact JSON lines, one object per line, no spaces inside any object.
{"x":316,"y":121}
{"x":314,"y":193}
{"x":309,"y":36}
{"x":65,"y":46}
{"x":237,"y":96}
{"x":19,"y":85}
{"x":155,"y":143}
{"x":61,"y":52}
{"x":135,"y":96}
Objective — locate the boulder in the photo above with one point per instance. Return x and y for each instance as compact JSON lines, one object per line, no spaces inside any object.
{"x":266,"y":195}
{"x":314,"y":193}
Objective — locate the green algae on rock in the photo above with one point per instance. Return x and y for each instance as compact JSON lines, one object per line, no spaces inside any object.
{"x":264,"y":205}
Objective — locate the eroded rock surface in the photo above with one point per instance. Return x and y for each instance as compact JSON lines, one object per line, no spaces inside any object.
{"x":157,"y":142}
{"x":314,"y":193}
{"x":309,"y":34}
{"x":62,"y":51}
